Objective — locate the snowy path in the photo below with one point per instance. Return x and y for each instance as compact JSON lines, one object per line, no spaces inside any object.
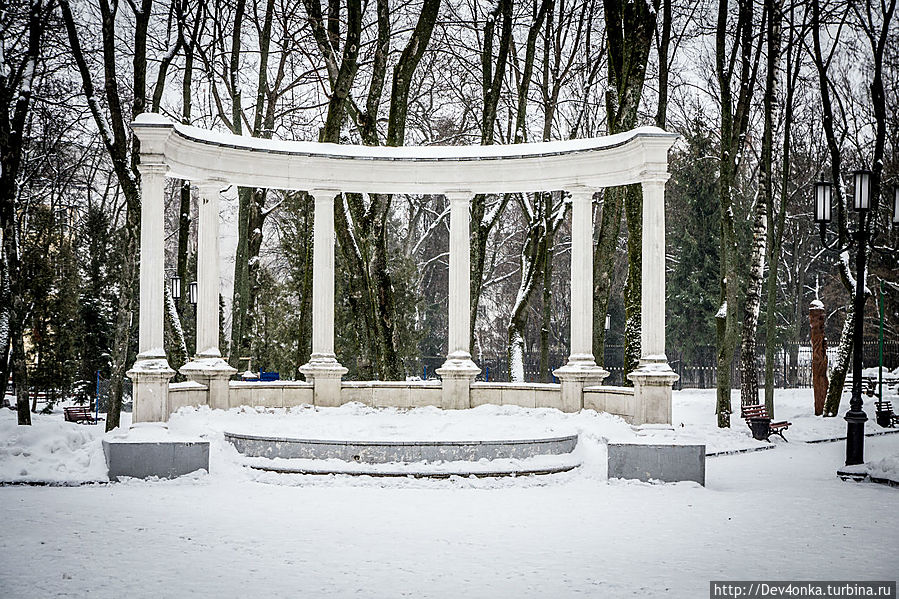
{"x":569,"y":535}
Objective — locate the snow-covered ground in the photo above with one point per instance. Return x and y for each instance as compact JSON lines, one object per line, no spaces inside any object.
{"x":772,"y":515}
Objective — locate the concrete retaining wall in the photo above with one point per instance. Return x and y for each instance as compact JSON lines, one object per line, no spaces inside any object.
{"x":188,"y":393}
{"x":614,"y":400}
{"x":275,"y":394}
{"x":526,"y":395}
{"x":405,"y":394}
{"x":397,"y":394}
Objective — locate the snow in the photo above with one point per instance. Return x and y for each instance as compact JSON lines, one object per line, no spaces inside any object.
{"x":151,"y":118}
{"x":874,"y":371}
{"x":239,"y":532}
{"x":56,"y":451}
{"x":50,"y":450}
{"x":152,"y":365}
{"x":355,"y":421}
{"x":722,"y":311}
{"x":883,"y":469}
{"x":403,"y":152}
{"x":816,"y":305}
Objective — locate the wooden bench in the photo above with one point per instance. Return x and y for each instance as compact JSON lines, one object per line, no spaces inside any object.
{"x":80,"y":414}
{"x":884,"y":414}
{"x":760,"y":413}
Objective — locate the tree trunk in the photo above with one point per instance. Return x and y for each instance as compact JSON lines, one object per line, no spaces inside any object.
{"x":546,"y":375}
{"x":609,"y":228}
{"x":629,"y":29}
{"x":177,"y":346}
{"x":733,"y":127}
{"x":532,"y":264}
{"x":633,"y":309}
{"x":838,"y":374}
{"x":749,"y":383}
{"x":482,"y":220}
{"x":819,"y":355}
{"x":664,"y":68}
{"x":775,"y":244}
{"x":16,"y":89}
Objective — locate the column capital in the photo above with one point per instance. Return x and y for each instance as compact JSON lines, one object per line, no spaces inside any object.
{"x":581,"y":194}
{"x":458,"y":195}
{"x":324,"y":194}
{"x":152,"y":165}
{"x":210,"y":186}
{"x":655,"y":176}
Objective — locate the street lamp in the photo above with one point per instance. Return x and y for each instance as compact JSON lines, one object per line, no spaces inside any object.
{"x":896,"y":204}
{"x":192,"y":292}
{"x":175,"y":287}
{"x":855,"y":417}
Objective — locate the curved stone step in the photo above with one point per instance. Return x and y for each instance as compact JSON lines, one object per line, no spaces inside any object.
{"x":382,"y":452}
{"x":412,"y":470}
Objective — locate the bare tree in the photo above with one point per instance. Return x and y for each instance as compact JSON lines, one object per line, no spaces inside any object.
{"x":629,"y":28}
{"x":19,"y":66}
{"x":740,"y":60}
{"x":111,"y":119}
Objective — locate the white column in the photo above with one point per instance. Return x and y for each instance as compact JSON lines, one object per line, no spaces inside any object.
{"x":323,"y":276}
{"x":208,"y":275}
{"x":458,"y":371}
{"x":652,"y":335}
{"x":582,"y":278}
{"x":459,"y":277}
{"x":323,"y":369}
{"x":208,"y":367}
{"x":581,"y":370}
{"x":152,"y":261}
{"x":151,"y":372}
{"x":654,"y":377}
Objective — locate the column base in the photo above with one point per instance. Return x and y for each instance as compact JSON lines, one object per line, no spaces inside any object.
{"x":457,"y":374}
{"x":576,"y":375}
{"x":150,"y":393}
{"x":215,"y":373}
{"x":325,"y":373}
{"x":652,"y":391}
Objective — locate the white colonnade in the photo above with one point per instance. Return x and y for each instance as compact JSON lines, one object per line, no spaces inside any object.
{"x":580,"y":167}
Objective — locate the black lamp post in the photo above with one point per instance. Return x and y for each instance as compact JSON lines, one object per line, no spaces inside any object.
{"x":855,"y":417}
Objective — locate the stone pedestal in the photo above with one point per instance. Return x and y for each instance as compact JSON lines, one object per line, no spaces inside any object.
{"x":573,"y":377}
{"x":325,"y":373}
{"x":652,"y":392}
{"x":150,"y":392}
{"x":214,"y":373}
{"x":668,"y":463}
{"x":456,"y":375}
{"x":149,"y":450}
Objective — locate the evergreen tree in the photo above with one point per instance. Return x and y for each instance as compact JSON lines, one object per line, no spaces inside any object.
{"x":692,"y":205}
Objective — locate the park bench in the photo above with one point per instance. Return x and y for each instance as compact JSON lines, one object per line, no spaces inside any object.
{"x":884,"y":414}
{"x":759,"y":422}
{"x":80,"y":414}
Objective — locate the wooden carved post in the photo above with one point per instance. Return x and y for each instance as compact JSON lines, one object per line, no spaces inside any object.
{"x":819,"y":355}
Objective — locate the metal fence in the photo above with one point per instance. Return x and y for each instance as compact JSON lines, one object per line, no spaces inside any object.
{"x":697,"y":368}
{"x":102,"y":390}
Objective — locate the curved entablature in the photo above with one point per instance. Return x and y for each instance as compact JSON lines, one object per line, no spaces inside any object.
{"x":199,"y":154}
